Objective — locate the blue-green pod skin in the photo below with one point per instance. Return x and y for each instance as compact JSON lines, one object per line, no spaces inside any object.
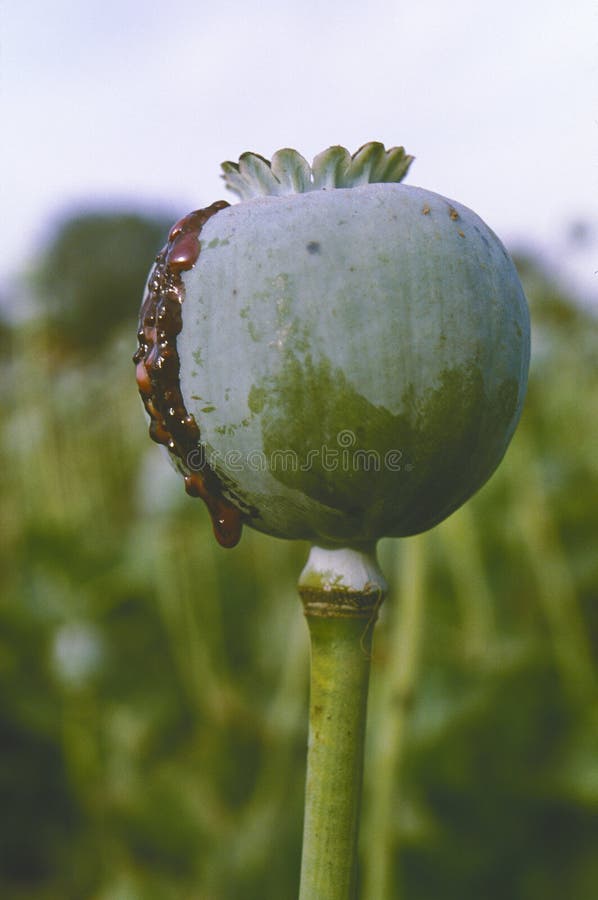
{"x":356,"y":359}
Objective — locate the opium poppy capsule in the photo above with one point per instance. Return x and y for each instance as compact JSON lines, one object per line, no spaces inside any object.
{"x":339,"y":357}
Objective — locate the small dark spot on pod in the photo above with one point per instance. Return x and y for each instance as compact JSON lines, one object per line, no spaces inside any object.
{"x":313,"y":248}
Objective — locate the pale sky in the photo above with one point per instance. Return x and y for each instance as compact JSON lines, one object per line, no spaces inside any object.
{"x":138,"y":102}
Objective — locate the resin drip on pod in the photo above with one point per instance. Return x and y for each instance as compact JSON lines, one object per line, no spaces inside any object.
{"x":158,"y":368}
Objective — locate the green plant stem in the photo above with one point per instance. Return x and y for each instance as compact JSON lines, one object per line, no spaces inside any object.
{"x":340,"y":620}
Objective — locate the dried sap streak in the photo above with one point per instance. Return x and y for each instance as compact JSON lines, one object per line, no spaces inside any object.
{"x":158,"y":366}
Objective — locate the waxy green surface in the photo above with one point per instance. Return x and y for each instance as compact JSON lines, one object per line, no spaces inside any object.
{"x":356,"y":359}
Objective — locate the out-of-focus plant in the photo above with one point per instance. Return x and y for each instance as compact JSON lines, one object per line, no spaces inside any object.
{"x":85,"y":278}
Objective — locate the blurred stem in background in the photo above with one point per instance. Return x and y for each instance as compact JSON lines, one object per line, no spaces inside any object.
{"x":394,"y":705}
{"x":461,"y":544}
{"x":534,"y":522}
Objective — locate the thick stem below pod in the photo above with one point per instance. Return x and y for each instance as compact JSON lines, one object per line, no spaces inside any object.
{"x":341,"y":592}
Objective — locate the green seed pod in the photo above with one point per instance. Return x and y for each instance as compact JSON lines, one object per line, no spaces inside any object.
{"x":339,"y":357}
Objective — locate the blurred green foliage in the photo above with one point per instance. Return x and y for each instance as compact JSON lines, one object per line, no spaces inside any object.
{"x":153,"y":687}
{"x":88,"y":274}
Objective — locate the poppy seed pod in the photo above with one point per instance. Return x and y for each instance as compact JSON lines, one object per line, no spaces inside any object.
{"x":338,"y":357}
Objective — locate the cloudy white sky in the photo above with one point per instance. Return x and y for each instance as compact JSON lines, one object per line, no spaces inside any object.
{"x":138,"y":102}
